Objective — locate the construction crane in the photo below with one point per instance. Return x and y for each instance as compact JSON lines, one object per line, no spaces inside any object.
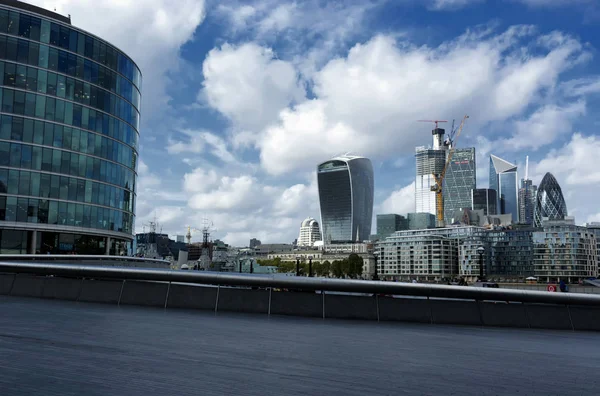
{"x":439,"y":179}
{"x":434,"y":121}
{"x":188,"y":236}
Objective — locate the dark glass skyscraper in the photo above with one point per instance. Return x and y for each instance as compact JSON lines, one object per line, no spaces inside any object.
{"x":68,"y":136}
{"x":549,"y":201}
{"x":459,"y":182}
{"x":485,"y":199}
{"x":387,"y":224}
{"x":503,"y":179}
{"x":346,"y":198}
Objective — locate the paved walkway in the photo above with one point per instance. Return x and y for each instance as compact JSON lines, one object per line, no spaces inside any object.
{"x":66,"y":348}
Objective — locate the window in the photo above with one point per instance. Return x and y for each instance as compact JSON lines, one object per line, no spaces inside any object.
{"x":31,"y":84}
{"x":7,"y":100}
{"x":34,"y":54}
{"x":44,"y":56}
{"x":50,"y":108}
{"x":30,"y":101}
{"x":40,"y":106}
{"x":19,"y":102}
{"x":24,"y":183}
{"x":51,"y":87}
{"x":22,"y":51}
{"x":10,"y":74}
{"x":45,"y":31}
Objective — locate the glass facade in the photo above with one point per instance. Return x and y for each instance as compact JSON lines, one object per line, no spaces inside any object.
{"x":428,"y":163}
{"x":549,"y":201}
{"x":503,"y":179}
{"x":69,"y":121}
{"x":346,"y":190}
{"x":420,"y":221}
{"x":387,"y":224}
{"x":459,"y":181}
{"x":485,"y":199}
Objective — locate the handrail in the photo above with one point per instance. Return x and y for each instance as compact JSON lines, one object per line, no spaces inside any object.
{"x":54,"y":257}
{"x":303,"y":283}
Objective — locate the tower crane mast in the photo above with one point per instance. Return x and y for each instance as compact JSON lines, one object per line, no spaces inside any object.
{"x":439,"y":179}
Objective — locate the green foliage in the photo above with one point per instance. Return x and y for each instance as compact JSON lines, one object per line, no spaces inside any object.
{"x":355,"y":265}
{"x":337,"y":268}
{"x":351,"y":267}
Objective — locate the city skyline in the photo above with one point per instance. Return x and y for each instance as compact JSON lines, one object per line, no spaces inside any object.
{"x":239,"y":107}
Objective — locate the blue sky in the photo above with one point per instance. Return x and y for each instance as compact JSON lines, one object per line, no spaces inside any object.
{"x":241,"y":99}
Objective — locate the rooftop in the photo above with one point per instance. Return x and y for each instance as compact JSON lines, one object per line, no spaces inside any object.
{"x":36,"y":10}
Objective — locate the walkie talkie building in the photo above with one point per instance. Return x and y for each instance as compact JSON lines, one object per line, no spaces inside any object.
{"x":346,"y":190}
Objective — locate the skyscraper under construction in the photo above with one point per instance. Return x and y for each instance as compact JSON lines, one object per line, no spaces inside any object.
{"x":430,"y":161}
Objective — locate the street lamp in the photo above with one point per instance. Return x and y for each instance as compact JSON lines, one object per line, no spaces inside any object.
{"x":310,"y":266}
{"x":480,"y":252}
{"x":297,"y":265}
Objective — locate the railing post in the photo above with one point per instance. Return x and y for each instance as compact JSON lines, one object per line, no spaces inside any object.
{"x":270,"y":291}
{"x":430,"y":311}
{"x":167,"y":296}
{"x":570,"y":318}
{"x":217,"y":299}
{"x":121,"y":292}
{"x":12,"y":284}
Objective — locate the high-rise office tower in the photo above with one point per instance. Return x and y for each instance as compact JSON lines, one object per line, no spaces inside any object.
{"x":68,"y":138}
{"x":346,"y":190}
{"x":485,"y":199}
{"x":503,"y":179}
{"x":549,"y":201}
{"x":429,"y":161}
{"x":459,"y":181}
{"x":387,"y":224}
{"x":527,"y":194}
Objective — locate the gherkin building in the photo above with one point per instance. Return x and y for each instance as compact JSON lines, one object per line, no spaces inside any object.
{"x":549,"y":201}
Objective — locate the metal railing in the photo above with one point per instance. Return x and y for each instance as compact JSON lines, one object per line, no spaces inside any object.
{"x":82,"y":258}
{"x":302,"y":283}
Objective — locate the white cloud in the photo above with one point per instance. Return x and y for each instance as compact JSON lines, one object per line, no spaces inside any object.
{"x":572,"y":161}
{"x":248,"y":84}
{"x":240,"y":206}
{"x":370,"y":100}
{"x":573,"y":167}
{"x":440,"y":5}
{"x":543,"y":126}
{"x":581,"y":86}
{"x":199,"y":180}
{"x":200,"y":141}
{"x":401,"y":201}
{"x":555,"y":3}
{"x":312,"y":30}
{"x":150,"y":33}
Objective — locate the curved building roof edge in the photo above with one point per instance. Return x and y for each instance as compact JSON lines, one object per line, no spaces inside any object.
{"x":33,"y":9}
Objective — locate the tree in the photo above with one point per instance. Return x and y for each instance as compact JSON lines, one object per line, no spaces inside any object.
{"x":355,"y":264}
{"x":336,"y":268}
{"x":326,"y":268}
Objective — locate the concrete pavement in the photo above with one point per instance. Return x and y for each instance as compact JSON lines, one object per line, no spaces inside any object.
{"x":67,"y":348}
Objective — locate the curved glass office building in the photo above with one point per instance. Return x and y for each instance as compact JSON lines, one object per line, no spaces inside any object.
{"x":346,"y":198}
{"x":549,"y":201}
{"x":69,"y":120}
